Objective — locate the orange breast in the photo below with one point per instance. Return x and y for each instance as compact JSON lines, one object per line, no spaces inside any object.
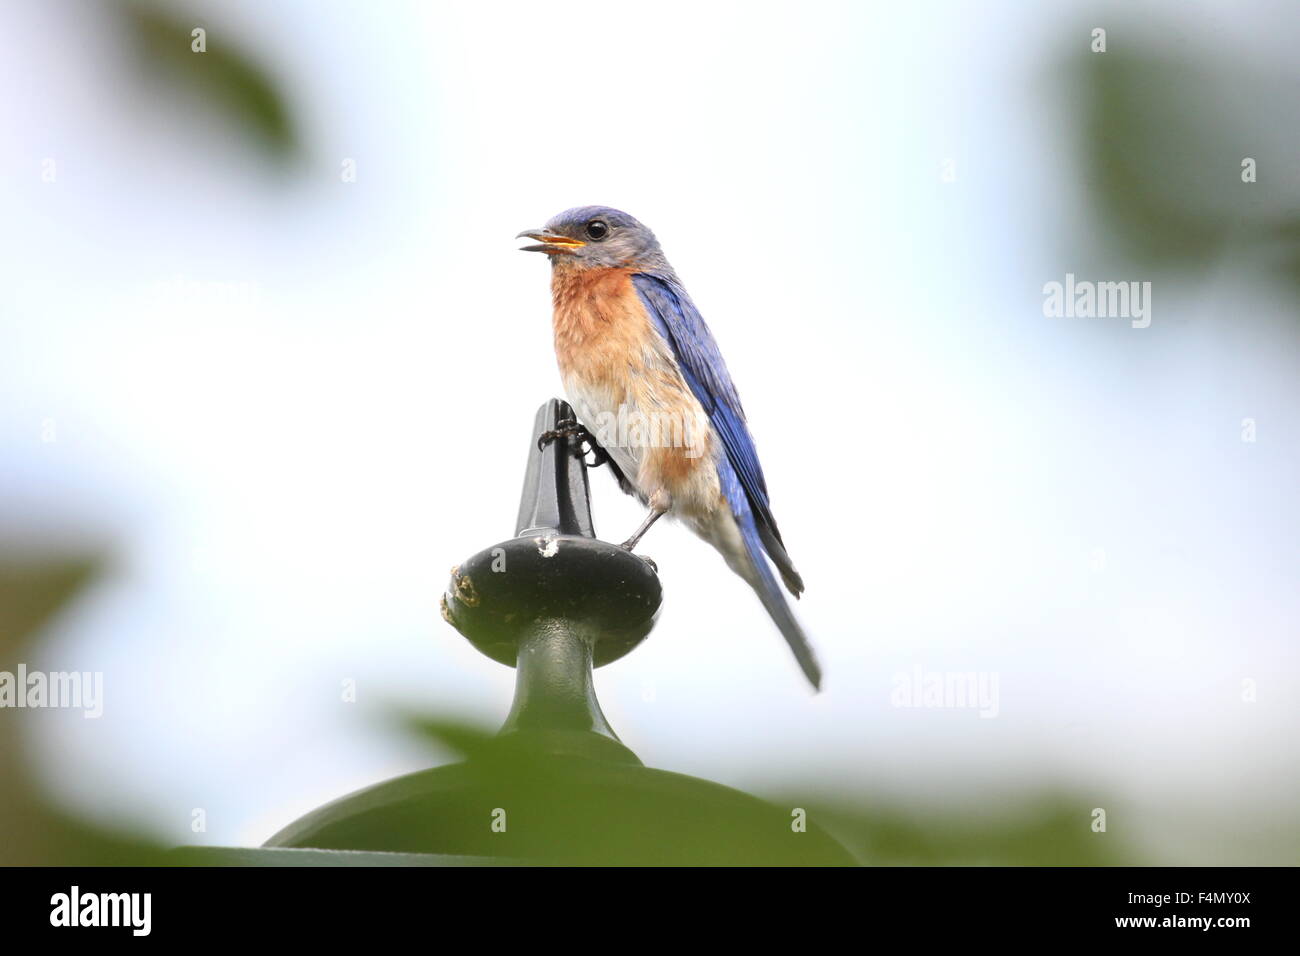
{"x":601,"y":329}
{"x":610,"y":352}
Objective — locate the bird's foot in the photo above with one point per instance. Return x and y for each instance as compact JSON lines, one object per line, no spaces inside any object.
{"x":584,"y":443}
{"x":565,"y":428}
{"x":629,"y":545}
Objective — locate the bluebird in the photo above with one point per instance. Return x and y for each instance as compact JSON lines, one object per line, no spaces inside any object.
{"x":644,"y":375}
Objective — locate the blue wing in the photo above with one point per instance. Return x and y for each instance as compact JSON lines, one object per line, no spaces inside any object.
{"x":681,"y":324}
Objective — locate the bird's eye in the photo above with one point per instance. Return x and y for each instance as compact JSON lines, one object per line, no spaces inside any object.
{"x":596,"y":229}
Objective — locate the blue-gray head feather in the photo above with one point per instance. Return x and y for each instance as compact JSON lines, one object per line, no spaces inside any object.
{"x":599,"y":237}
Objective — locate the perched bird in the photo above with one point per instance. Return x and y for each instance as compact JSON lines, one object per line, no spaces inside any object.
{"x":644,"y":375}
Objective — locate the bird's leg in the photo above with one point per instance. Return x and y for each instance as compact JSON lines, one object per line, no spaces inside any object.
{"x":650,"y":519}
{"x":659,"y":505}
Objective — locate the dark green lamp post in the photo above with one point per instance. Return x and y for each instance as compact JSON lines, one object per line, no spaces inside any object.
{"x":556,"y":785}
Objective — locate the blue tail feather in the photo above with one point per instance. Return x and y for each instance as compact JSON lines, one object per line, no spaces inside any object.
{"x":769,"y":592}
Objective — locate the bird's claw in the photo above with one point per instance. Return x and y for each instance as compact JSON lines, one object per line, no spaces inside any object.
{"x":630,"y":544}
{"x":570,"y":429}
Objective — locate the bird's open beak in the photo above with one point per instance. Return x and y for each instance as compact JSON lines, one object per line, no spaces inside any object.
{"x":550,"y":243}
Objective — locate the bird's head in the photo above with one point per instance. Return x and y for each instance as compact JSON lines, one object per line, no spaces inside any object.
{"x":595,"y":237}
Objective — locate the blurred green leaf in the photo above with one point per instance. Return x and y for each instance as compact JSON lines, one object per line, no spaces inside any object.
{"x":31,"y":831}
{"x":225,"y":78}
{"x":1042,"y":829}
{"x":1163,"y":135}
{"x":467,"y":740}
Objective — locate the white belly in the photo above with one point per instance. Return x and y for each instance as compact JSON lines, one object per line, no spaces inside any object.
{"x":635,"y":436}
{"x":601,"y":412}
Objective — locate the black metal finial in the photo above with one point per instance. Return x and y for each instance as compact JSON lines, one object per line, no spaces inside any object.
{"x":556,"y":497}
{"x":554,"y":601}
